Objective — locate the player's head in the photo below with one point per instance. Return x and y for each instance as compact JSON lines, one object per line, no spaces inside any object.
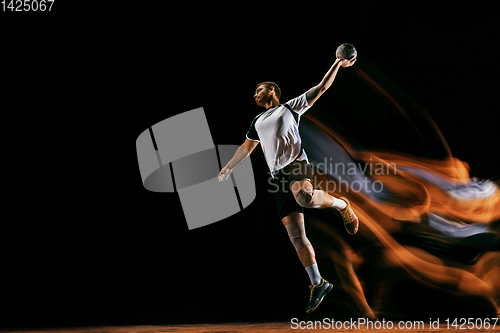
{"x":265,"y":92}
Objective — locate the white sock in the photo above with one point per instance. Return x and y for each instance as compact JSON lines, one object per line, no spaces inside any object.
{"x":314,"y":274}
{"x":338,"y":204}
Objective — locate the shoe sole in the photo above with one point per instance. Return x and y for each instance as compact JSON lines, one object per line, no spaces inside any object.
{"x":321,"y":300}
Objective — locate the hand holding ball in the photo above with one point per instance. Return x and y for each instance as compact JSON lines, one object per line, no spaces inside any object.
{"x":346,"y":51}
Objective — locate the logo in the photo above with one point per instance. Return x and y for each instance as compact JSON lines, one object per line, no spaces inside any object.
{"x":178,"y":155}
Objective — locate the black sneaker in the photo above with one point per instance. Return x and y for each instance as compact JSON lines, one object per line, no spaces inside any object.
{"x":317,"y":294}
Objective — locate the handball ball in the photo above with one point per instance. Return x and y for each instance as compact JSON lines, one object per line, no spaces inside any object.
{"x":346,"y":51}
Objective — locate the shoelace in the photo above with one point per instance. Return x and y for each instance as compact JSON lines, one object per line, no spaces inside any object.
{"x":346,"y":214}
{"x":312,"y":287}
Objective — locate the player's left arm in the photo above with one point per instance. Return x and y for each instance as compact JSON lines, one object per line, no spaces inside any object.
{"x":315,"y":92}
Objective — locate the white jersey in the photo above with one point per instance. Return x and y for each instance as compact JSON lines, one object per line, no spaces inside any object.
{"x":277,"y":129}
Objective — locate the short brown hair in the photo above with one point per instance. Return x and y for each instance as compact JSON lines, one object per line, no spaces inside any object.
{"x":268,"y":85}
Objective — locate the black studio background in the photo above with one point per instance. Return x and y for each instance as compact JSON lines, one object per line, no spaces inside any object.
{"x":83,"y":243}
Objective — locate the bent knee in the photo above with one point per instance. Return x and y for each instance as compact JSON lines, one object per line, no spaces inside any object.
{"x":308,"y":198}
{"x":304,"y":197}
{"x":297,"y":233}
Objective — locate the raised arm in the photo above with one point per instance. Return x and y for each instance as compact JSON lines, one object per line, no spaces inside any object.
{"x":315,"y":92}
{"x":243,"y":152}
